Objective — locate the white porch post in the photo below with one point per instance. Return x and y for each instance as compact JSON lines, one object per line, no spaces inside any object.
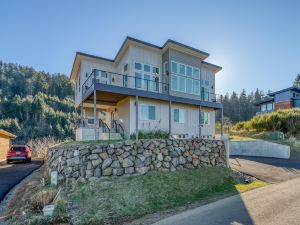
{"x":200,"y":108}
{"x":95,"y":115}
{"x":137,"y":117}
{"x":170,"y":118}
{"x":222,"y":117}
{"x":81,"y":114}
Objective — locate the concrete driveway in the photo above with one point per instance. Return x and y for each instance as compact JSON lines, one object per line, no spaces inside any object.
{"x":274,"y":204}
{"x":271,"y":170}
{"x":12,"y":174}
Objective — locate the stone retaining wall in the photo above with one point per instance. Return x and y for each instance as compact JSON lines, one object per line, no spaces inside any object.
{"x":134,"y":157}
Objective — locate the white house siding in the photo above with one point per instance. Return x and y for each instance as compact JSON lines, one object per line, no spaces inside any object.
{"x":207,"y":74}
{"x":161,"y":122}
{"x":86,"y":68}
{"x":145,"y":56}
{"x":209,"y":129}
{"x":190,"y":126}
{"x":122,"y":115}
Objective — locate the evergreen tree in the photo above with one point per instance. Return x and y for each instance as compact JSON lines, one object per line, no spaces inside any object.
{"x":297,"y":80}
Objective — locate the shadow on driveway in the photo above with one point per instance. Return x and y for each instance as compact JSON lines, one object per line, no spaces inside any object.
{"x":271,"y":170}
{"x":14,"y":173}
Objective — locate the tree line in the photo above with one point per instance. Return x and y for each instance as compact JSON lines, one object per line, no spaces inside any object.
{"x":35,"y":104}
{"x":241,"y":107}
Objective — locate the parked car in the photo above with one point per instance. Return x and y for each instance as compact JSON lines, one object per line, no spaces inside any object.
{"x":19,"y":153}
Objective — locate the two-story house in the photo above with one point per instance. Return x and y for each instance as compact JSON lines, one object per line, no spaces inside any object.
{"x":283,"y":99}
{"x":146,"y":88}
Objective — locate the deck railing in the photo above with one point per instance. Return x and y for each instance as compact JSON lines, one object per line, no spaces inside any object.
{"x":124,"y":80}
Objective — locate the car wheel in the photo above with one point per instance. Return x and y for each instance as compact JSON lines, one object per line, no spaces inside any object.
{"x":28,"y":160}
{"x":8,"y":161}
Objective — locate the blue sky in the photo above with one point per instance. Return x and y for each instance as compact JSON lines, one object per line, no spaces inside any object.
{"x":256,"y":42}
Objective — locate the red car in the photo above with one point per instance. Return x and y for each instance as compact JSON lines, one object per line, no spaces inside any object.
{"x":19,"y":153}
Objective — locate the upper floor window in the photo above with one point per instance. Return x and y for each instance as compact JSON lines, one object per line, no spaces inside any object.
{"x":148,"y":112}
{"x":148,"y":78}
{"x":196,"y":73}
{"x":138,"y":66}
{"x":146,"y":68}
{"x":125,"y":68}
{"x":189,"y":71}
{"x":174,"y":67}
{"x":205,"y":90}
{"x":179,"y":115}
{"x":182,"y":69}
{"x":185,"y":78}
{"x":155,"y":70}
{"x":166,"y":68}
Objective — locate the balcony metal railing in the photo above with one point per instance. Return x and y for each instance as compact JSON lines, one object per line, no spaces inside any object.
{"x":124,"y":80}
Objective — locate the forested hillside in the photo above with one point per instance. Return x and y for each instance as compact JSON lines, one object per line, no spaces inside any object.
{"x":34,"y":103}
{"x":240,"y":107}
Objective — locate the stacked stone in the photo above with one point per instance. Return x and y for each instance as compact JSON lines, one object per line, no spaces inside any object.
{"x":134,"y":157}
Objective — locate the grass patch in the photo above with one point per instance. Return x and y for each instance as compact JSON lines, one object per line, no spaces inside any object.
{"x":253,"y":185}
{"x":116,"y":200}
{"x":241,"y":138}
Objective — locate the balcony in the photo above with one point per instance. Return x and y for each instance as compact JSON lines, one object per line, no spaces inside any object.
{"x":127,"y":84}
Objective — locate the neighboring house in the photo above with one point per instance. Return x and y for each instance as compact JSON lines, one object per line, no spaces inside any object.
{"x":5,"y":143}
{"x":145,"y":88}
{"x":284,"y":99}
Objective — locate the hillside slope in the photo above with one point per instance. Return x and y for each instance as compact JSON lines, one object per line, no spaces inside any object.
{"x":35,"y":104}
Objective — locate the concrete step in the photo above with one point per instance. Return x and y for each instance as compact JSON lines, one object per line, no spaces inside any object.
{"x":113,"y":136}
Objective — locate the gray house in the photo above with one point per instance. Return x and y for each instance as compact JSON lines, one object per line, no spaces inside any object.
{"x":283,"y":99}
{"x":146,"y":88}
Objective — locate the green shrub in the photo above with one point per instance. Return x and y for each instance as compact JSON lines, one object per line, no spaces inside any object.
{"x":287,"y":121}
{"x":158,"y":134}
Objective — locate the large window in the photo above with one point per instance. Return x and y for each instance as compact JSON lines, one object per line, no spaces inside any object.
{"x":270,"y":106}
{"x":266,"y":107}
{"x":185,"y":78}
{"x":146,"y":77}
{"x":138,"y":80}
{"x":205,"y":119}
{"x":205,"y":90}
{"x":148,"y":112}
{"x":179,"y":115}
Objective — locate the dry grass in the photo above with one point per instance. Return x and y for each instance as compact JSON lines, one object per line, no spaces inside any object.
{"x":115,"y":200}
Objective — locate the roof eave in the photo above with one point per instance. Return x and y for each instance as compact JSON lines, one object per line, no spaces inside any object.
{"x":214,"y":67}
{"x":7,"y":134}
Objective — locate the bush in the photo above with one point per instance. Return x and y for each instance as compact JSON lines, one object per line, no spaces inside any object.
{"x":287,"y":121}
{"x":158,"y":134}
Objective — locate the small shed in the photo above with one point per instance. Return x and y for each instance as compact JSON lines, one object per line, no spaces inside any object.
{"x":5,"y":143}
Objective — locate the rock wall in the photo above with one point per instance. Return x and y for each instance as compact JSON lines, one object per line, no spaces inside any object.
{"x":134,"y":157}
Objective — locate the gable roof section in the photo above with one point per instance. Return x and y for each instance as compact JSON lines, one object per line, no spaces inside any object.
{"x":130,"y":40}
{"x":294,"y":88}
{"x":264,"y":99}
{"x":7,"y":134}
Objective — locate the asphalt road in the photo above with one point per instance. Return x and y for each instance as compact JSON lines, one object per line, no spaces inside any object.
{"x":271,"y":170}
{"x":275,"y":204}
{"x":12,"y":174}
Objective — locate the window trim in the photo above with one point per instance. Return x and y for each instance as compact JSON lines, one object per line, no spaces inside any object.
{"x":182,"y":110}
{"x":147,"y":105}
{"x":179,"y":76}
{"x":152,"y":77}
{"x":203,"y":119}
